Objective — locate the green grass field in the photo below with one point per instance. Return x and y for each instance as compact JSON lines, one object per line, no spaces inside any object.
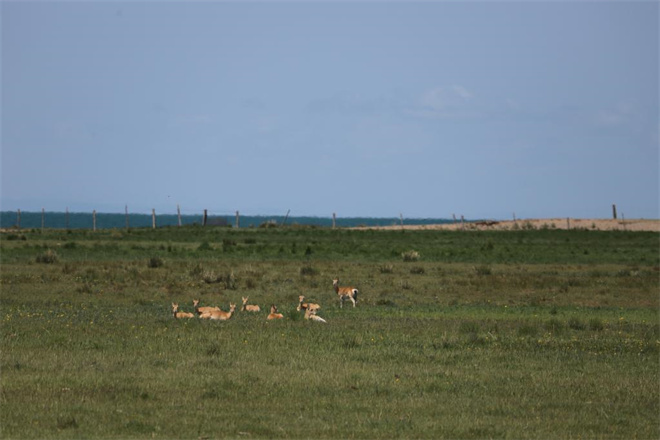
{"x":500,"y":334}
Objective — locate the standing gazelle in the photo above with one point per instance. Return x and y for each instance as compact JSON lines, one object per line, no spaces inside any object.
{"x":345,"y":292}
{"x":219,"y":315}
{"x":248,"y":307}
{"x":177,"y":314}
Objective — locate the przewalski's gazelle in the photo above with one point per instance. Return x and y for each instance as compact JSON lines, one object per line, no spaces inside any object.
{"x":311,"y":315}
{"x":304,"y":306}
{"x":219,"y":315}
{"x":273,"y":313}
{"x":177,"y":314}
{"x":200,"y":310}
{"x":345,"y":292}
{"x":248,"y":307}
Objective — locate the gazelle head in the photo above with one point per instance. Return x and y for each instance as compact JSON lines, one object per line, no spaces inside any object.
{"x":175,"y":307}
{"x":232,"y":307}
{"x":301,"y":298}
{"x":244,"y":299}
{"x":273,"y":309}
{"x":195,"y":303}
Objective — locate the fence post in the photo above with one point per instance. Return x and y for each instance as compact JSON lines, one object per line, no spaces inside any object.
{"x":153,"y":218}
{"x":568,"y":223}
{"x":206,"y":214}
{"x":238,"y":220}
{"x":614,"y":212}
{"x":18,"y":219}
{"x":67,"y":218}
{"x":334,"y":220}
{"x":178,"y":213}
{"x":94,"y":220}
{"x":43,"y":219}
{"x":127,"y":217}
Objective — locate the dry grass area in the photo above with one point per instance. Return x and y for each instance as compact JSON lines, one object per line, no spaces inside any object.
{"x":549,"y":223}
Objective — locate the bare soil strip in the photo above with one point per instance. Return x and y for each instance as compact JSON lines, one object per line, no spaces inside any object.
{"x":551,"y":223}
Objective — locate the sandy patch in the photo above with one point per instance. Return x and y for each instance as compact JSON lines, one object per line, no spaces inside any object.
{"x":552,"y":223}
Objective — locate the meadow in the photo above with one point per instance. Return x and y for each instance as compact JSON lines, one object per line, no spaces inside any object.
{"x":457,"y":334}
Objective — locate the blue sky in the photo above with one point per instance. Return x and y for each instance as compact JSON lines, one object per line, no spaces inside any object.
{"x":481,"y":109}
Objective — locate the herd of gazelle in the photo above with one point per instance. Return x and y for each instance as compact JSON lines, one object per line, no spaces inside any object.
{"x":215,"y":313}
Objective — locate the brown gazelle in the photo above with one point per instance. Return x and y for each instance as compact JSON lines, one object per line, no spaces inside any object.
{"x":177,"y":314}
{"x":200,"y":310}
{"x":311,"y":315}
{"x":273,"y":313}
{"x":345,"y":292}
{"x":304,"y":306}
{"x":249,"y":307}
{"x":219,"y":315}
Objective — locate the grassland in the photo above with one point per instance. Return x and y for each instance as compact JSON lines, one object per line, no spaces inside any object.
{"x":486,"y":334}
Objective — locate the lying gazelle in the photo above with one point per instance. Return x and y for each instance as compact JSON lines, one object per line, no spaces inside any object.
{"x":200,"y":310}
{"x":345,"y":292}
{"x":177,"y":314}
{"x":273,"y":313}
{"x":219,"y":315}
{"x":311,"y":315}
{"x":305,"y":306}
{"x":249,"y":307}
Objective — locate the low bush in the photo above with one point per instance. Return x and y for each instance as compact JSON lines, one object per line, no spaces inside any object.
{"x":48,"y":257}
{"x":409,"y":256}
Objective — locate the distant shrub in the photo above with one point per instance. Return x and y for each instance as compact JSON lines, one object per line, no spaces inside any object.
{"x":70,"y":245}
{"x":596,"y":324}
{"x":155,"y":262}
{"x":469,"y":327}
{"x":197,"y":270}
{"x":386,"y":303}
{"x":576,"y":323}
{"x":11,"y":237}
{"x":229,"y":280}
{"x":308,"y":271}
{"x":210,"y":277}
{"x":410,"y":256}
{"x":528,"y":329}
{"x":386,"y":268}
{"x":48,"y":257}
{"x":528,"y":226}
{"x":204,"y":246}
{"x":483,"y":270}
{"x":554,"y":325}
{"x":488,"y":246}
{"x":417,"y":270}
{"x":268,"y":224}
{"x":68,"y":269}
{"x":86,"y":288}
